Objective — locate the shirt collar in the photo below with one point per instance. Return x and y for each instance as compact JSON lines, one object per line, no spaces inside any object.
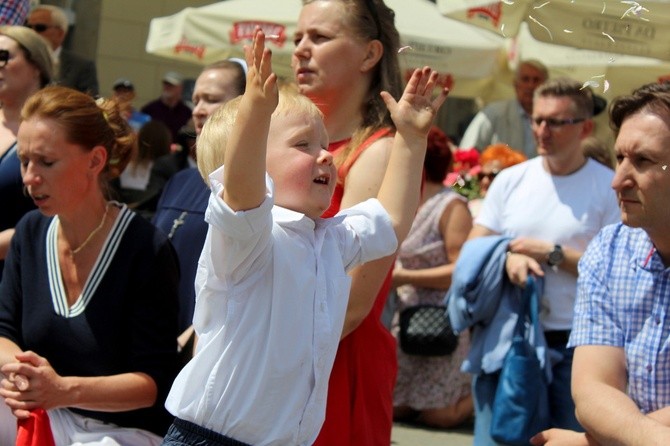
{"x":646,"y":256}
{"x":287,"y":217}
{"x":283,"y":215}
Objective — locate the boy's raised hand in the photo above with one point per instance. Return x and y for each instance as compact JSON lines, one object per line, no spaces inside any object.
{"x":245,"y":151}
{"x":415,"y":111}
{"x":261,"y":81}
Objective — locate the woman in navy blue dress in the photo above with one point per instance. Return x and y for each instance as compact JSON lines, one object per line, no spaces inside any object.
{"x":88,"y":302}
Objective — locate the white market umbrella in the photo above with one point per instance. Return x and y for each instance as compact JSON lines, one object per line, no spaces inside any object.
{"x":468,"y":58}
{"x":640,"y":28}
{"x":209,"y":33}
{"x":608,"y":74}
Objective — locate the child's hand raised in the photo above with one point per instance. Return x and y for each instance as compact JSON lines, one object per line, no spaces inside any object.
{"x":261,"y":81}
{"x":413,"y":114}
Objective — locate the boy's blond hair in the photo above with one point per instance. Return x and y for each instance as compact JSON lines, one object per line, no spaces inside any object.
{"x":212,"y":142}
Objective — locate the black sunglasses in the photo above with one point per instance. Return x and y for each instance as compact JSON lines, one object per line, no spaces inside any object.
{"x":556,"y":123}
{"x":490,"y":175}
{"x":4,"y":57}
{"x":39,"y":27}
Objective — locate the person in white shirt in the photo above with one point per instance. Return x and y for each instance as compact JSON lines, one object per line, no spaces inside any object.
{"x":551,"y":207}
{"x":271,"y":285}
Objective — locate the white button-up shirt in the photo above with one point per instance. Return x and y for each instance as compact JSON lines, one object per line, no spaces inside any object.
{"x":272,"y":293}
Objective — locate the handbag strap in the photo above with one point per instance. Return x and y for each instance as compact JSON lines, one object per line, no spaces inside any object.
{"x":529,"y":308}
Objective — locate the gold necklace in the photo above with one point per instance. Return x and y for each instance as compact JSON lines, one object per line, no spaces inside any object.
{"x":90,"y":236}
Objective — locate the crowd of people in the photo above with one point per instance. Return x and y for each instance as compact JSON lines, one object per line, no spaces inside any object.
{"x":217,"y":272}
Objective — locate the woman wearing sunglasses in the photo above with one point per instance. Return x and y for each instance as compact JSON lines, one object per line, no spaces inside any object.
{"x":493,"y":159}
{"x":25,"y":67}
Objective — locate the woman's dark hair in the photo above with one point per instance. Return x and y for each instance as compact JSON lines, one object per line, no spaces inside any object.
{"x":153,"y":141}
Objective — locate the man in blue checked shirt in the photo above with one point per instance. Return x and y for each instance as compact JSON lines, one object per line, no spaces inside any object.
{"x":621,"y":330}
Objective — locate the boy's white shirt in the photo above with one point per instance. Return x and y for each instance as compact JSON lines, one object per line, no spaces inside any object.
{"x":272,"y":293}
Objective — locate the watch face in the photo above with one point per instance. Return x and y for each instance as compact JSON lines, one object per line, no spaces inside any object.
{"x":555,"y":256}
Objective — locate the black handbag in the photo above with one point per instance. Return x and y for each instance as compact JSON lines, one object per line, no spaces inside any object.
{"x":425,"y":330}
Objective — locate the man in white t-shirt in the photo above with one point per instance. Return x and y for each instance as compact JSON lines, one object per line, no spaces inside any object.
{"x":551,"y":206}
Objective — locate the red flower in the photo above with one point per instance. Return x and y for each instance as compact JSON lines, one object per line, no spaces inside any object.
{"x":465,"y":159}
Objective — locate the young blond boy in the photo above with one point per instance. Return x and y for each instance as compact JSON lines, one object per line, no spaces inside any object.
{"x":272,"y":287}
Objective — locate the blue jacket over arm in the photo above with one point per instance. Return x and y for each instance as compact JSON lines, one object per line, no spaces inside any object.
{"x":482,"y":297}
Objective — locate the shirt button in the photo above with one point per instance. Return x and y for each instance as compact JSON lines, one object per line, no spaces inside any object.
{"x":649,"y":368}
{"x":658,"y":320}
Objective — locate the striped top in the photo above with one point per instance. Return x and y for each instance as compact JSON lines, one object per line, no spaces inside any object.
{"x":125,"y":320}
{"x":58,"y":292}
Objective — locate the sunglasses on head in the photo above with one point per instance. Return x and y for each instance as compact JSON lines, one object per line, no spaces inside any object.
{"x":4,"y":57}
{"x":38,"y":27}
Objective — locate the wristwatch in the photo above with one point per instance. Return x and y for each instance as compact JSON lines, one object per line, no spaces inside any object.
{"x":556,"y":256}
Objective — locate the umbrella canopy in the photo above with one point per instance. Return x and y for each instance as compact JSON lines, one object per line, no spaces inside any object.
{"x":622,"y":26}
{"x":209,"y":33}
{"x":608,"y":74}
{"x":468,"y":59}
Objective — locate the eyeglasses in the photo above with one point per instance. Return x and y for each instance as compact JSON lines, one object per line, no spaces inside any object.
{"x":488,"y":175}
{"x":556,"y":123}
{"x":39,"y":27}
{"x":4,"y":57}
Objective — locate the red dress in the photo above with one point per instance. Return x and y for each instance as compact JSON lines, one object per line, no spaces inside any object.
{"x":360,"y":392}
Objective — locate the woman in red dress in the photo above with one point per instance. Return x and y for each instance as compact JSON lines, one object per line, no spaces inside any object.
{"x":346,"y":53}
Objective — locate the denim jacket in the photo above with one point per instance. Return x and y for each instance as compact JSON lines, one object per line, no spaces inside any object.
{"x":482,"y":297}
